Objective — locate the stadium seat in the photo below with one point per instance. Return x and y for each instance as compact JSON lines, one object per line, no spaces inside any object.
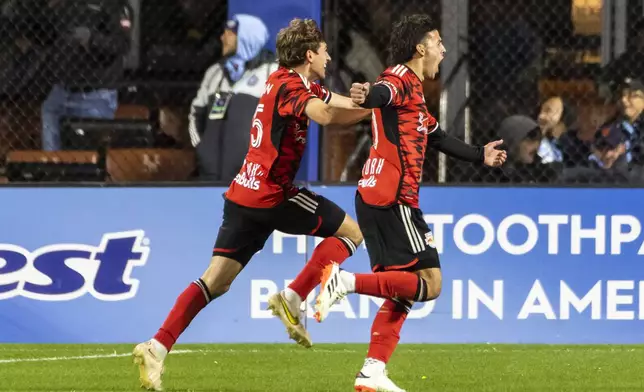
{"x":64,"y":166}
{"x":118,"y":165}
{"x":149,"y":164}
{"x":132,"y":112}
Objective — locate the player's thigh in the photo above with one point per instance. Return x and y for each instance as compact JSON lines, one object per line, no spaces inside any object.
{"x":242,"y":233}
{"x":368,"y":220}
{"x":312,"y":214}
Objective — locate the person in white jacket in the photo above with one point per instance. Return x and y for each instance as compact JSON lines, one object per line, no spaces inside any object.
{"x":222,"y":111}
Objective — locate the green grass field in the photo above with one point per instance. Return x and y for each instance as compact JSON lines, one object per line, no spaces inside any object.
{"x":248,"y":368}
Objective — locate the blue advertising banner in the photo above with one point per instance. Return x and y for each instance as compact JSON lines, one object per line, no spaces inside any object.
{"x":92,"y":265}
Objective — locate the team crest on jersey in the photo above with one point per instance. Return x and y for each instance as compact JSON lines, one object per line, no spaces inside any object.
{"x":253,"y":80}
{"x":300,"y":136}
{"x":422,"y":121}
{"x":429,"y":240}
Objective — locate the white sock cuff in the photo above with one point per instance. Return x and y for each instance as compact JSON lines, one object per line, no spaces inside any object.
{"x":160,"y":348}
{"x":372,"y":365}
{"x":349,"y":281}
{"x":290,"y":295}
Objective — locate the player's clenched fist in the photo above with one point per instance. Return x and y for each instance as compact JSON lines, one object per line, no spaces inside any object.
{"x":359,"y":92}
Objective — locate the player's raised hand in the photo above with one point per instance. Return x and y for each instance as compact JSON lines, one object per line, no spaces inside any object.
{"x":359,"y":92}
{"x":494,"y":157}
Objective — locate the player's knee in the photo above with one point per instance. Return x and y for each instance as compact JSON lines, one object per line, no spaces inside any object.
{"x":216,"y":286}
{"x":219,"y":289}
{"x":356,"y":238}
{"x":427,"y":290}
{"x":220,"y":275}
{"x":434,"y":289}
{"x":351,"y":230}
{"x":431,"y":284}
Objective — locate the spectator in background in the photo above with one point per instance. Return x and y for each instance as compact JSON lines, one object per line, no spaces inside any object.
{"x":222,"y":111}
{"x":606,"y":164}
{"x":560,"y":143}
{"x":89,"y":41}
{"x":522,"y":137}
{"x":630,"y":119}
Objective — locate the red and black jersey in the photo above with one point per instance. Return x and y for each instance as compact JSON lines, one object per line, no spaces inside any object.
{"x":277,"y":141}
{"x":394,"y":170}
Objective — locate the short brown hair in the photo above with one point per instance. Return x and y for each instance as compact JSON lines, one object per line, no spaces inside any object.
{"x":293,"y":41}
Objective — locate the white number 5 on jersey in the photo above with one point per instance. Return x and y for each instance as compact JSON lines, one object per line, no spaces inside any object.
{"x":257,"y":130}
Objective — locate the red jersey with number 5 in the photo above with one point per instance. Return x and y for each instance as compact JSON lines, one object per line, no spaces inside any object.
{"x":394,"y":170}
{"x":277,"y":141}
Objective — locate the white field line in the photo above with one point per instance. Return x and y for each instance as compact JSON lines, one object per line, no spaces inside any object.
{"x":117,"y":355}
{"x":96,"y":356}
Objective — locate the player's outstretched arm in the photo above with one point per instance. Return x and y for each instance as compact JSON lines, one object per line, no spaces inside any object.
{"x":456,"y":148}
{"x":342,"y":102}
{"x":324,"y":114}
{"x":349,"y":116}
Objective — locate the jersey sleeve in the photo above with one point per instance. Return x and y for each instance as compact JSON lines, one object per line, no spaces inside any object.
{"x":399,"y":91}
{"x":321,"y":92}
{"x":294,"y":96}
{"x":456,"y":148}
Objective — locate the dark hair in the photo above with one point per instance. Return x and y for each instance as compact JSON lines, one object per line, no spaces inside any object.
{"x":293,"y":41}
{"x":568,"y":113}
{"x":408,"y":32}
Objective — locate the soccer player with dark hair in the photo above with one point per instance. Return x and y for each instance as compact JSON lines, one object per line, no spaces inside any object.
{"x":262,"y":198}
{"x":400,"y":244}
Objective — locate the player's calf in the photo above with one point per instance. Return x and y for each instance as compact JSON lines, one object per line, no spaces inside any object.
{"x":333,"y":249}
{"x":220,"y":274}
{"x":213,"y":283}
{"x":417,"y":287}
{"x":392,"y":284}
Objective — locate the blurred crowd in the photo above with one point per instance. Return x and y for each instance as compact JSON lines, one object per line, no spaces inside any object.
{"x":546,"y":148}
{"x":93,"y":60}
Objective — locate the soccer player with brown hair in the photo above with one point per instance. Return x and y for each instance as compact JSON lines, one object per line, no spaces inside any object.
{"x":262,"y":198}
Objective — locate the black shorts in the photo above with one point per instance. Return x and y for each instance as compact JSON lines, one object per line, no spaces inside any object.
{"x":397,"y":237}
{"x":244,"y":230}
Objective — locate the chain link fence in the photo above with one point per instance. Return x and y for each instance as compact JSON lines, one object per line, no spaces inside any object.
{"x":551,"y":78}
{"x":100,"y":90}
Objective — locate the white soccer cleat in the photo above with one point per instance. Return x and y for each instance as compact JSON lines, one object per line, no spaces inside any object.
{"x":377,"y":382}
{"x":296,"y":331}
{"x":332,"y":291}
{"x":150,"y":366}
